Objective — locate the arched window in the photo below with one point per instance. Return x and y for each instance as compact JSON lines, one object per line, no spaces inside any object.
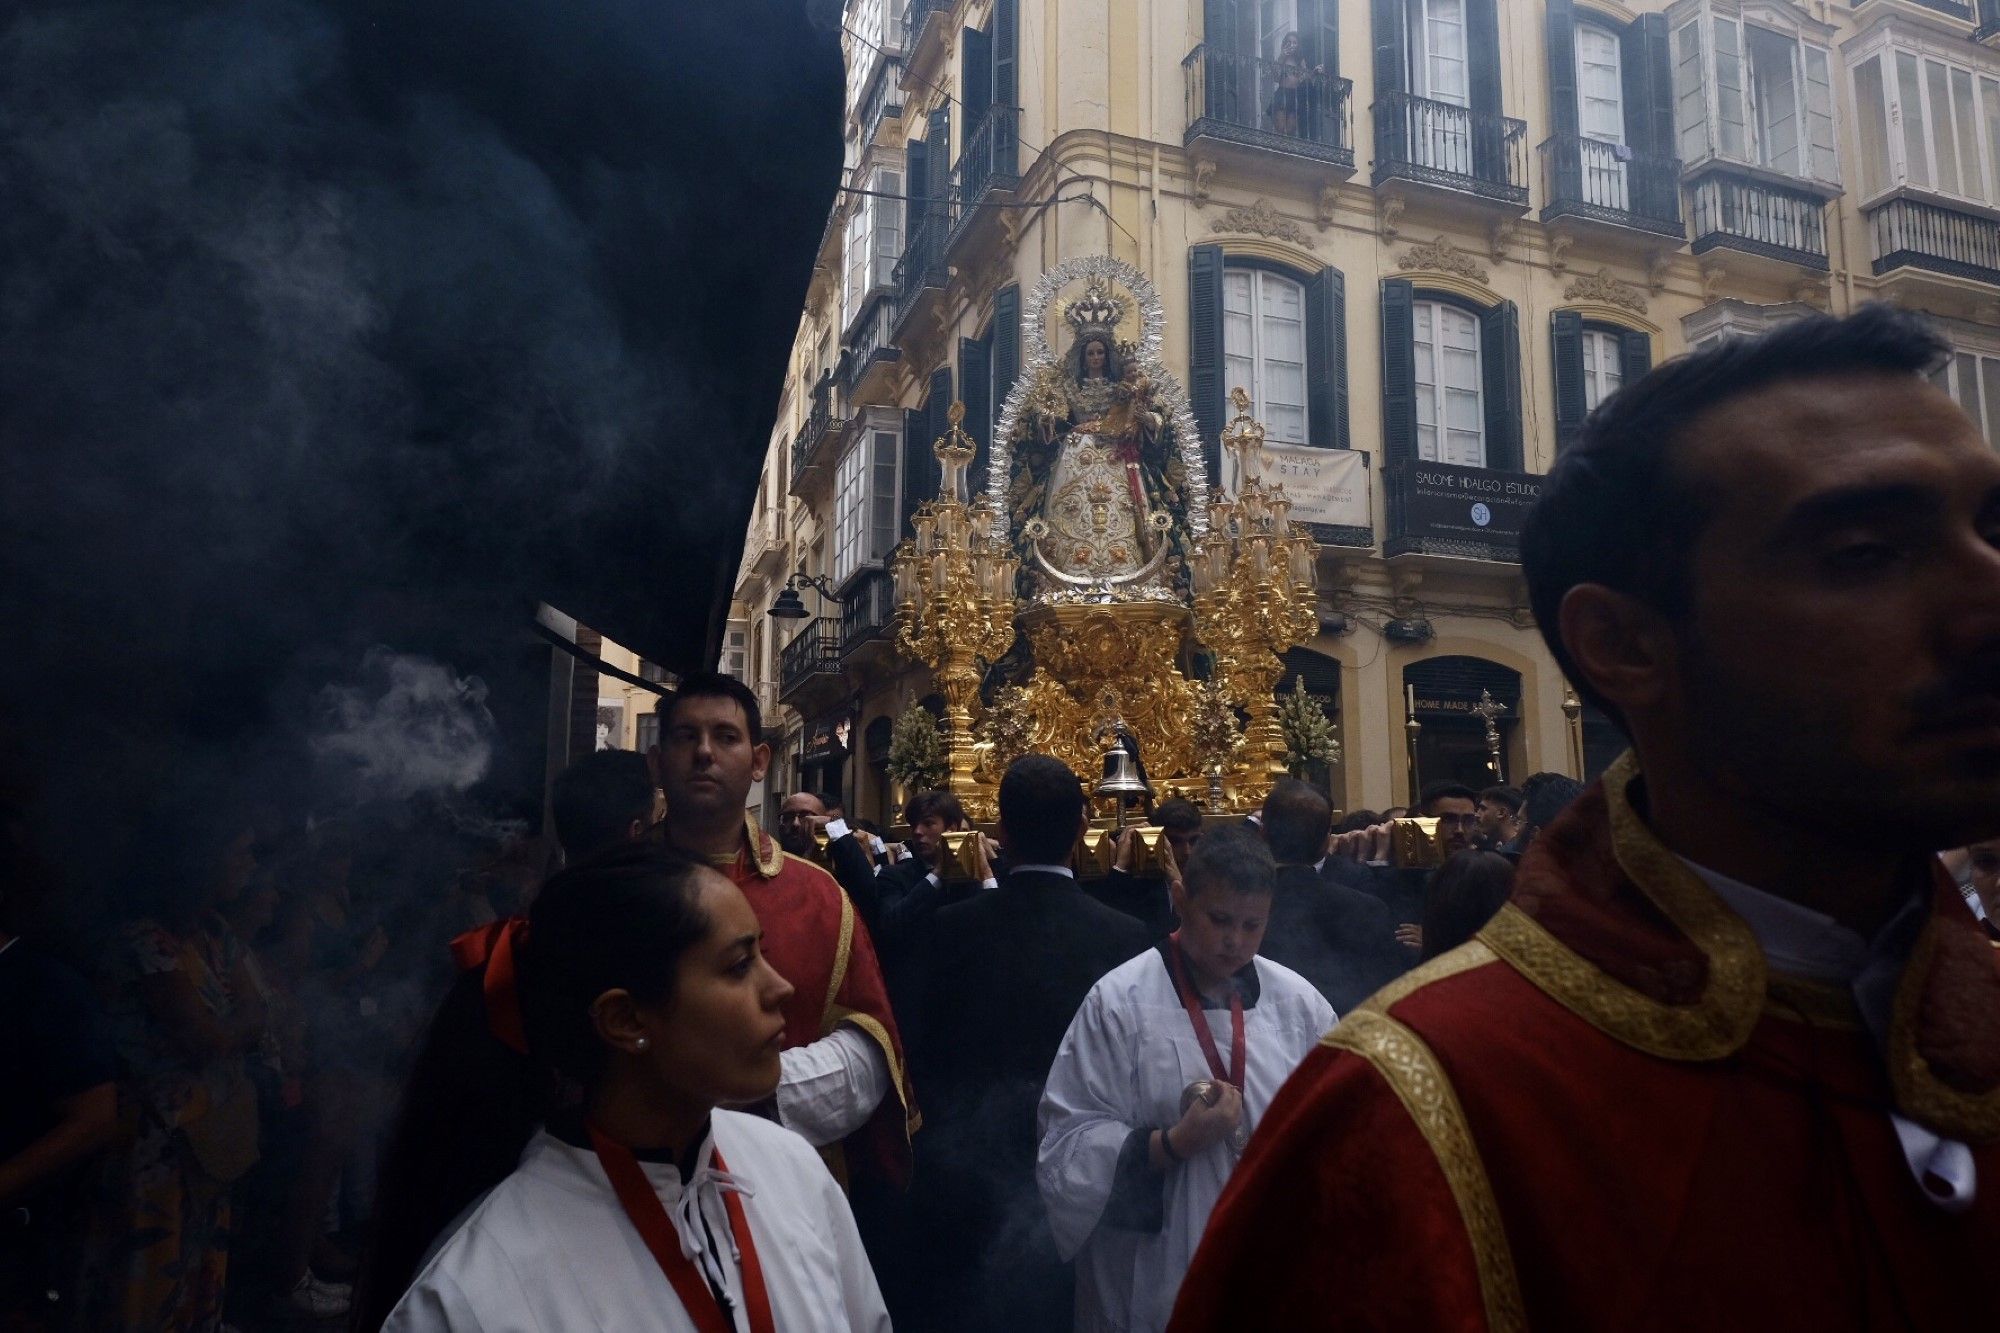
{"x":1451,"y":412}
{"x":1264,"y":348}
{"x":1591,"y":361}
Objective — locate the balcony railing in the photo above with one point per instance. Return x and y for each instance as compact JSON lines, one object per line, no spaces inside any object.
{"x":1238,"y":98}
{"x":872,"y":345}
{"x":1908,"y":233}
{"x":821,"y":425}
{"x":1758,"y":217}
{"x":1608,"y":182}
{"x":815,"y":651}
{"x":869,"y":610}
{"x":1989,"y":21}
{"x":922,"y":264}
{"x":916,"y":14}
{"x":1455,"y":147}
{"x":989,"y":160}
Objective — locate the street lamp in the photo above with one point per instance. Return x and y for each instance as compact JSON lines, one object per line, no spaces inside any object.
{"x":789,"y":606}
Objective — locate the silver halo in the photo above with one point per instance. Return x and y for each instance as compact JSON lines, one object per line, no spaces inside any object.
{"x":1167,"y":390}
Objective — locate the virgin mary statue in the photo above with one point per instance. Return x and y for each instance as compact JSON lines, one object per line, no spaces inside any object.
{"x":1097,"y":493}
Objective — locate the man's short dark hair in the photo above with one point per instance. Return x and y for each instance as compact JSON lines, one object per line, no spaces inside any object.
{"x":595,"y":800}
{"x":1356,"y":820}
{"x":1508,"y":796}
{"x":830,"y":801}
{"x":714,"y":685}
{"x":1041,"y":804}
{"x":1614,"y":510}
{"x":1233,"y":857}
{"x":934,"y":802}
{"x":1549,"y":799}
{"x":1177,"y":813}
{"x":1444,"y":789}
{"x":1297,"y":819}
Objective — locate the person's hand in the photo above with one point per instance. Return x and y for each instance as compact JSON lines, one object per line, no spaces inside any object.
{"x":819,"y":822}
{"x":1411,"y":934}
{"x":1169,"y":867}
{"x":1205,"y":1124}
{"x":984,"y":853}
{"x":1127,"y":859}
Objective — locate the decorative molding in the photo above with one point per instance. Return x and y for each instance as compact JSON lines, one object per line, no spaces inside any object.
{"x":1602,"y":286}
{"x":1712,"y":274}
{"x":1657,"y":269}
{"x":1499,"y":237}
{"x":1812,"y":291}
{"x":1392,"y":206}
{"x":1204,"y":172}
{"x":1441,"y":256}
{"x":1329,"y":195}
{"x":1261,"y":219}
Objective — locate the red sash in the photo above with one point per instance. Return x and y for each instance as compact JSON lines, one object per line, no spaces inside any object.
{"x":1192,"y":1003}
{"x":649,"y":1215}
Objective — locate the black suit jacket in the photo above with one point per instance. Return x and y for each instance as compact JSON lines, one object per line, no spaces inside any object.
{"x":1340,"y":939}
{"x":1005,"y":972}
{"x":1143,"y":898}
{"x":856,"y":874}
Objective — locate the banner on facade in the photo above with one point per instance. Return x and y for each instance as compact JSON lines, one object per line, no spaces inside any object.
{"x":1460,"y":510}
{"x":1327,"y":487}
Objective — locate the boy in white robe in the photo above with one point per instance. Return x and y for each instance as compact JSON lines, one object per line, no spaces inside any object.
{"x":1141,"y":1121}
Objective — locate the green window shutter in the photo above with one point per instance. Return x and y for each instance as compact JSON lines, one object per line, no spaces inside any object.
{"x":1500,"y":358}
{"x":1482,"y":54}
{"x":1399,"y":371}
{"x":1326,"y":358}
{"x":937,"y":167}
{"x":1566,"y":348}
{"x":975,"y":73}
{"x":1635,"y":355}
{"x":919,"y":463}
{"x":1319,"y":34}
{"x":1006,"y":29}
{"x":916,"y":185}
{"x":1561,"y":27}
{"x":1392,"y":70}
{"x":975,"y":378}
{"x":1211,"y":410}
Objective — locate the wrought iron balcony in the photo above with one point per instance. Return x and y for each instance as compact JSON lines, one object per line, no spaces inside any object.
{"x":1908,"y":233}
{"x":922,"y":266}
{"x":809,"y":452}
{"x":886,"y":101}
{"x":990,"y":160}
{"x":870,"y":349}
{"x":1607,"y":182}
{"x":917,"y":16}
{"x":1451,"y":147}
{"x":868,"y":612}
{"x":1241,"y":99}
{"x":1989,"y":21}
{"x":1747,"y":213}
{"x":811,"y":656}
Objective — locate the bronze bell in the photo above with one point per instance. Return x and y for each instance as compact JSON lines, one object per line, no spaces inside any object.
{"x":1121,"y":779}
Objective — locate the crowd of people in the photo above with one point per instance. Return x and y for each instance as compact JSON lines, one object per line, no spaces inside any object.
{"x":1714,"y":1042}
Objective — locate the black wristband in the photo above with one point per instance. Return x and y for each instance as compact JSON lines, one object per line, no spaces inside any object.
{"x":1167,"y":1147}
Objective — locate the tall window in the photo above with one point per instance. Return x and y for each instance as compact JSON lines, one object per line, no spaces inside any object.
{"x":1434,"y":32}
{"x":1754,"y":95}
{"x":1603,"y":367}
{"x":1925,"y":123}
{"x":1264,"y":348}
{"x":874,"y":239}
{"x":864,"y":510}
{"x":736,"y":650}
{"x":1974,"y":380}
{"x":1451,"y":416}
{"x":1600,"y":114}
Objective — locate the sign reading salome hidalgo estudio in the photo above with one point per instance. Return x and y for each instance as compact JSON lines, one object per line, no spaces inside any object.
{"x":1468,"y":511}
{"x":1328,"y":489}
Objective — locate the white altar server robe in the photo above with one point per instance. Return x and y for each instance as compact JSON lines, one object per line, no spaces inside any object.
{"x":549,"y":1249}
{"x":1122,"y":1067}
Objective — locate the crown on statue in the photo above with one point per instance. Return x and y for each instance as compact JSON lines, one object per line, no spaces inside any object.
{"x":1098,"y":310}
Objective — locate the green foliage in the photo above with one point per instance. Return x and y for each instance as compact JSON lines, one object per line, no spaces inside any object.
{"x":916,"y":750}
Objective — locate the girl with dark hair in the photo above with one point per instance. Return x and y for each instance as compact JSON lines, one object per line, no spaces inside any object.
{"x":1463,"y":896}
{"x":632,"y":1004}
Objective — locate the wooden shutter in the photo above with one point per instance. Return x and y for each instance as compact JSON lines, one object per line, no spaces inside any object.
{"x":919,"y":463}
{"x":1635,"y":355}
{"x":1500,"y":359}
{"x":1646,"y":54}
{"x":1392,"y":69}
{"x":975,"y":72}
{"x":937,"y":167}
{"x":1562,"y":67}
{"x":1482,"y":55}
{"x":1006,"y":29}
{"x":914,"y":198}
{"x":1319,"y":34}
{"x":1205,"y":351}
{"x":975,"y":379}
{"x":1399,"y":371}
{"x":1566,"y":348}
{"x":1326,"y":358}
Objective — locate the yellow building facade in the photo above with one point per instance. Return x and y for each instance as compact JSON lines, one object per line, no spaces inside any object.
{"x":1425,"y":235}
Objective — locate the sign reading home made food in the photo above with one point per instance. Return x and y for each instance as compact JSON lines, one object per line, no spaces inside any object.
{"x":1461,"y":510}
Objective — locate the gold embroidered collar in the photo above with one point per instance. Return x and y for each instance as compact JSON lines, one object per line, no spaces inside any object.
{"x":1718,"y":1019}
{"x":759,"y":848}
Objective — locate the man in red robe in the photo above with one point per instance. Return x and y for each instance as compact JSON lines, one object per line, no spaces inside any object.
{"x":1730,"y":1058}
{"x":844,"y":1085}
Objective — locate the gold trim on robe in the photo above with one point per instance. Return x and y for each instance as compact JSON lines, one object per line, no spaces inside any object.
{"x":1408,"y":1066}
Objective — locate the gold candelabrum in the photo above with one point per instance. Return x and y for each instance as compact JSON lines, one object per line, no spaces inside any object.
{"x":1254,"y":577}
{"x":954,"y":589}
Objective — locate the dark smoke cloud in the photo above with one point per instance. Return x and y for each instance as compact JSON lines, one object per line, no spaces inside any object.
{"x":327,"y":326}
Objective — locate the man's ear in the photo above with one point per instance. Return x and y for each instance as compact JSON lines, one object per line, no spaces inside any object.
{"x":1624,"y":648}
{"x":760,"y":760}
